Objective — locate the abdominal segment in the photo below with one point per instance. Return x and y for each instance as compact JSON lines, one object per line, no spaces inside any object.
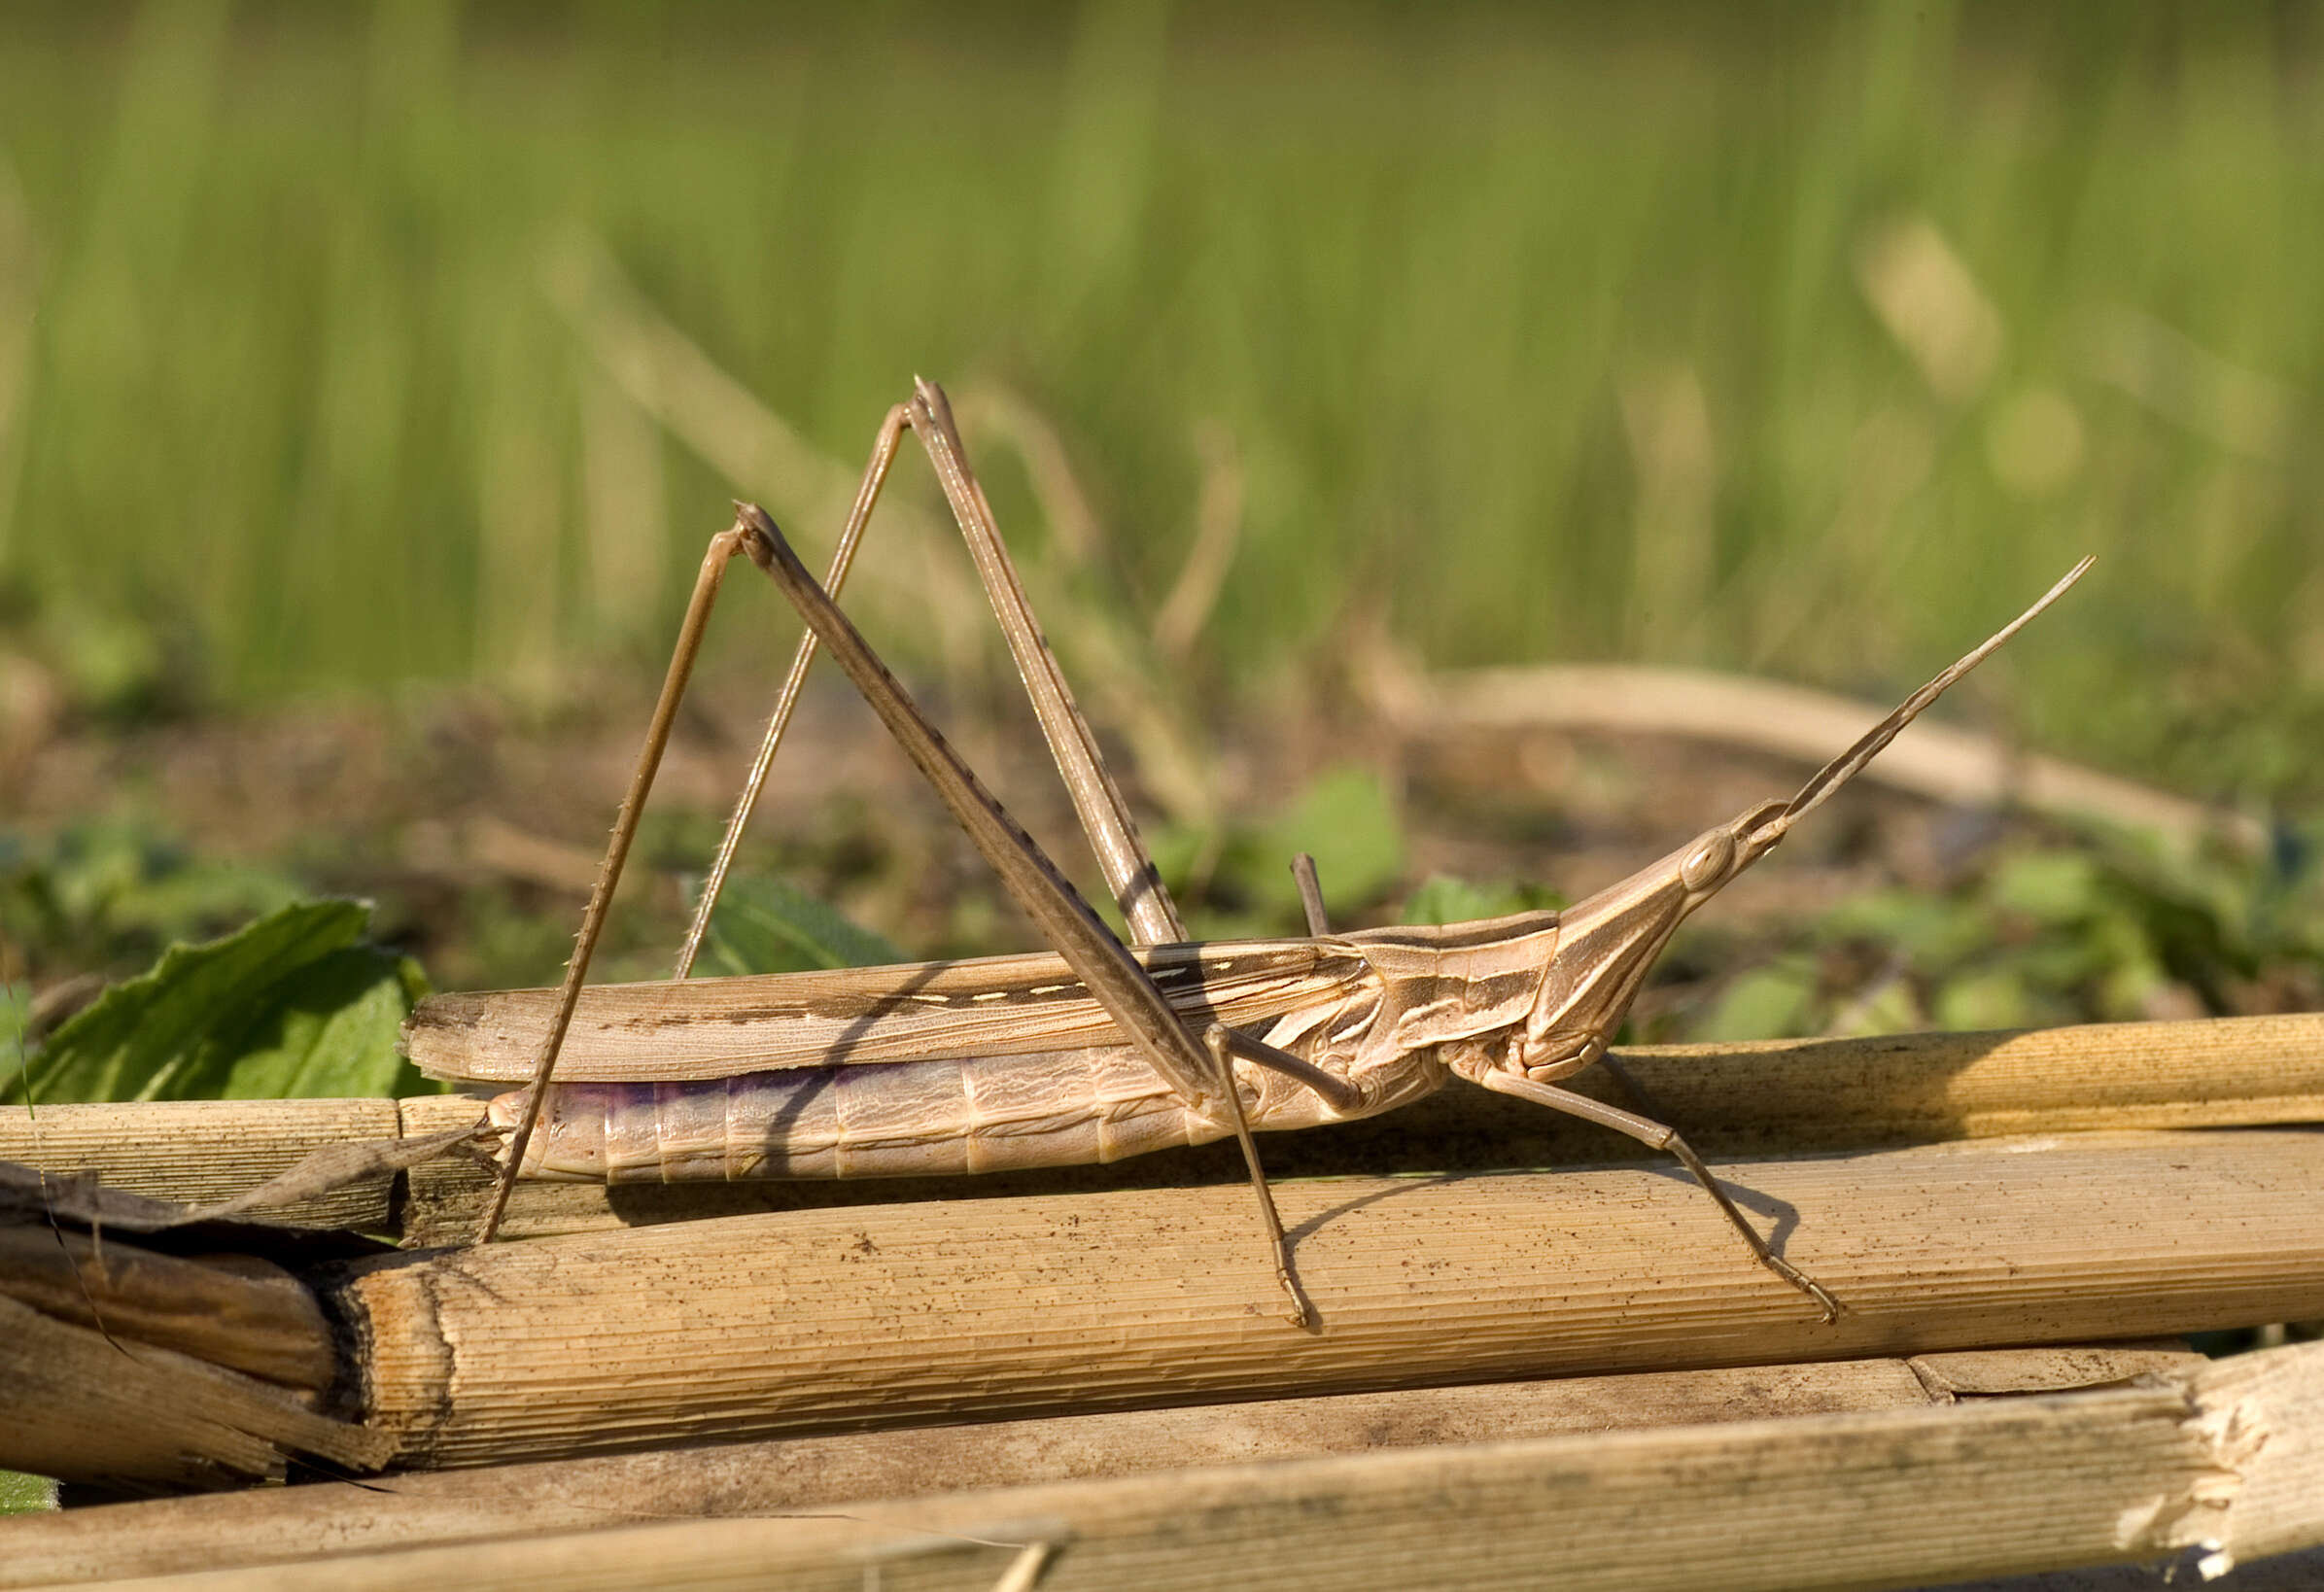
{"x":910,"y":1119}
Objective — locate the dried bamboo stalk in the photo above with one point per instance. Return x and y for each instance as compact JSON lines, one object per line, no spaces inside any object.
{"x":2228,"y":1458}
{"x":272,"y":1526}
{"x":761,"y":1325}
{"x":200,"y":1150}
{"x":1761,"y":1098}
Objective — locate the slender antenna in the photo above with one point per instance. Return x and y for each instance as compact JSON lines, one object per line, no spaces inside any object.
{"x":1844,"y":767}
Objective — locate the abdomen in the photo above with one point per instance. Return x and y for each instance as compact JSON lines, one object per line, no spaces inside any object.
{"x":906,"y":1118}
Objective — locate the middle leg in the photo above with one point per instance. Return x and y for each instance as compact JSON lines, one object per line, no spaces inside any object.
{"x":1659,"y":1136}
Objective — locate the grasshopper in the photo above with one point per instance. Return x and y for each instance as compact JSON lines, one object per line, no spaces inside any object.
{"x":1094,"y":1051}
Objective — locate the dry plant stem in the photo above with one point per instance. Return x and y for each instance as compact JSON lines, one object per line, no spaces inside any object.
{"x":843,"y":557}
{"x":2225,"y":1458}
{"x":760,"y":1326}
{"x":201,"y":1150}
{"x":723,"y":549}
{"x":416,"y":1508}
{"x":1937,"y":761}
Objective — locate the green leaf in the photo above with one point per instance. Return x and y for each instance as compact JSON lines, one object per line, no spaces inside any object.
{"x":1237,"y":882}
{"x":1928,"y":930}
{"x":196,"y":894}
{"x":1892,"y":1009}
{"x":770,"y":925}
{"x":2048,"y":887}
{"x":1993,"y":999}
{"x":1348,"y":822}
{"x":1767,"y":1003}
{"x":20,"y":1494}
{"x":1443,"y":898}
{"x":2125,"y":992}
{"x":294,"y":1005}
{"x":328,"y":1029}
{"x":15,"y":1015}
{"x":112,"y":890}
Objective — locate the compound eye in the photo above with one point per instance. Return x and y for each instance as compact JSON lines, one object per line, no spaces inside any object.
{"x":1707,"y":865}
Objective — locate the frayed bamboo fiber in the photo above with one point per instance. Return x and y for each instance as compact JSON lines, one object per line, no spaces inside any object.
{"x":77,"y":1402}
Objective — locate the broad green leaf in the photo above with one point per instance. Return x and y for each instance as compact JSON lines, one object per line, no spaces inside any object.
{"x":1444,"y":899}
{"x":770,"y":925}
{"x":295,"y":1004}
{"x":327,"y":1029}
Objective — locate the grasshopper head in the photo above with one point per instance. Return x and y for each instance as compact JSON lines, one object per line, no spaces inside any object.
{"x":1606,"y":945}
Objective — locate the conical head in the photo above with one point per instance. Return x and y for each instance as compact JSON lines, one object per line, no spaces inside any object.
{"x":1607,"y":944}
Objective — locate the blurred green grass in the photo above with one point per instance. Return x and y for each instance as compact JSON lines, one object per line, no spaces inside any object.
{"x":1802,"y":340}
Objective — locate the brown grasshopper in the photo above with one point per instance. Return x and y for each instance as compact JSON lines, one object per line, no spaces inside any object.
{"x":1095,"y":1050}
